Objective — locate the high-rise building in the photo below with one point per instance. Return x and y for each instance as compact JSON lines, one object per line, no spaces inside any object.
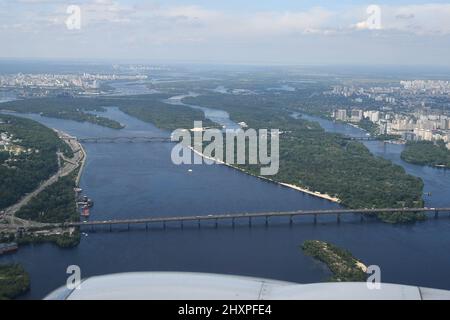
{"x":356,"y":115}
{"x":341,"y":115}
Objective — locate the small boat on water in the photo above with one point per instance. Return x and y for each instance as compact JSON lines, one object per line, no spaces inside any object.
{"x":85,"y":212}
{"x":8,"y":247}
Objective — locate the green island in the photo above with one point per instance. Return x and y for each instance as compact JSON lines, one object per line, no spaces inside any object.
{"x":148,"y":108}
{"x":324,"y":162}
{"x":162,"y":115}
{"x":427,"y":153}
{"x":28,"y":159}
{"x":14,"y":281}
{"x":66,"y":108}
{"x":342,"y":264}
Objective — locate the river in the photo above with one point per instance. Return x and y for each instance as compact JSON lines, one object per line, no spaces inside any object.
{"x":139,"y":180}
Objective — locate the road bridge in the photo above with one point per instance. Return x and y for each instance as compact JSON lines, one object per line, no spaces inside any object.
{"x":250,"y":216}
{"x":123,"y":139}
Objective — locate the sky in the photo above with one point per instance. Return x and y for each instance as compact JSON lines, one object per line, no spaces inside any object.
{"x":300,"y":32}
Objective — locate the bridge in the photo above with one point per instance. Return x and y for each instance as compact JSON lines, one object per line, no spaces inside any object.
{"x":368,"y":138}
{"x":123,"y":139}
{"x":250,"y":216}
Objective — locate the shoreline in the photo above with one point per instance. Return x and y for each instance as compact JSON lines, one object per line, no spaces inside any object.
{"x":82,"y":165}
{"x":284,"y":184}
{"x":79,"y":148}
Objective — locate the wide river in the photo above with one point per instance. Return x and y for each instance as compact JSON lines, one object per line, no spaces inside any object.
{"x":139,"y":180}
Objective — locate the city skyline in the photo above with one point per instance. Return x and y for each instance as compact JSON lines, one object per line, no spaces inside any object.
{"x":287,"y":32}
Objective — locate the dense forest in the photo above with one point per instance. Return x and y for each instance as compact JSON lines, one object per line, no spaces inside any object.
{"x":145,"y":107}
{"x":55,"y":204}
{"x":20,"y":174}
{"x":63,"y":108}
{"x":14,"y":281}
{"x":324,"y":162}
{"x":427,"y":153}
{"x":340,"y":261}
{"x":164,"y":116}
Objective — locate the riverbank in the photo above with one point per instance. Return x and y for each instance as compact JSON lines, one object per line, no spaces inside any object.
{"x":287,"y":185}
{"x":427,"y":153}
{"x":53,"y":201}
{"x":76,"y":147}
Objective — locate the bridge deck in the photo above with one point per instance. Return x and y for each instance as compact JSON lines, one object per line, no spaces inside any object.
{"x":129,"y":139}
{"x":250,"y":216}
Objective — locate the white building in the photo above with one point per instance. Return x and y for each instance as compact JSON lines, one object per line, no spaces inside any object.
{"x":341,"y":115}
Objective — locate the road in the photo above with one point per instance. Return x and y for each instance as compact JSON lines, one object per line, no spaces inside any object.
{"x":69,"y":165}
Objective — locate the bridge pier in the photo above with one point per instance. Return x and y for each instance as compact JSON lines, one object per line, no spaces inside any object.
{"x":315,"y":219}
{"x":291,"y":219}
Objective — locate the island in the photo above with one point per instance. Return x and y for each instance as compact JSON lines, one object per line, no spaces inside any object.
{"x":14,"y":281}
{"x":324,"y":164}
{"x":342,"y":264}
{"x":67,"y":108}
{"x":434,"y":154}
{"x":321,"y":162}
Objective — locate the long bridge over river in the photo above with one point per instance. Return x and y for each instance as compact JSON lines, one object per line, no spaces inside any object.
{"x":163,"y":139}
{"x":123,"y":139}
{"x":248,"y":216}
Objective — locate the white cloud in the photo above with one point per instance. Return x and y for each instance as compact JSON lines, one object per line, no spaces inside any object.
{"x":149,"y":28}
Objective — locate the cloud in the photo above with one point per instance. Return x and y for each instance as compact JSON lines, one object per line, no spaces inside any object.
{"x":148,"y":28}
{"x":415,"y":19}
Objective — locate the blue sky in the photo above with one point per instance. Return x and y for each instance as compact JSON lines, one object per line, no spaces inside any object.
{"x":231,"y":31}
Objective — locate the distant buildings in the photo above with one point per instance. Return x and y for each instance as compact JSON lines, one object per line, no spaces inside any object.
{"x":418,"y":126}
{"x":355,"y":115}
{"x":427,"y":86}
{"x":341,"y":115}
{"x":84,"y":81}
{"x":373,"y":116}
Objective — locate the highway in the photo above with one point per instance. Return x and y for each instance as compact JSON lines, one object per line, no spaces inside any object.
{"x":69,"y":165}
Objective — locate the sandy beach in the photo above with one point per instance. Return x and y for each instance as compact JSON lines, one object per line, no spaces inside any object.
{"x":287,"y":185}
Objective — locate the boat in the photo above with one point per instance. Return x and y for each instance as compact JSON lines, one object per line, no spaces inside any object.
{"x":85,"y":212}
{"x":85,"y":201}
{"x":8,"y":247}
